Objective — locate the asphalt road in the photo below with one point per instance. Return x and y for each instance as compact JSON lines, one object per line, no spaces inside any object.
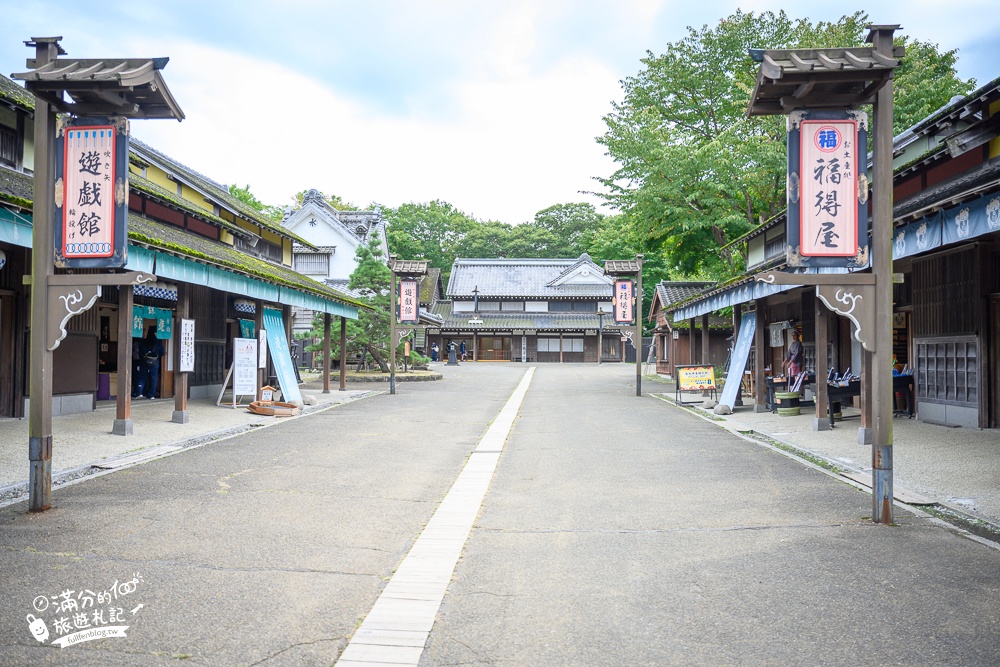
{"x":617,"y":531}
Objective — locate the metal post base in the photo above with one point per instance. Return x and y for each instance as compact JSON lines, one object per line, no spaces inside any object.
{"x":180,"y":417}
{"x":865,"y":436}
{"x":122,"y":427}
{"x":821,"y":424}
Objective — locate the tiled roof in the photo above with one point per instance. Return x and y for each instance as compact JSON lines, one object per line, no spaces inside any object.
{"x":172,"y":239}
{"x":671,"y":292}
{"x":15,"y":94}
{"x":523,"y":278}
{"x":429,"y":291}
{"x":505,"y":321}
{"x":16,"y":187}
{"x":614,"y":267}
{"x":340,"y":285}
{"x":216,"y":190}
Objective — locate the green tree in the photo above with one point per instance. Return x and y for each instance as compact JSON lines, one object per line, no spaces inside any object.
{"x":370,"y":279}
{"x":248,"y":198}
{"x":431,"y":231}
{"x":693,"y":172}
{"x":571,"y":227}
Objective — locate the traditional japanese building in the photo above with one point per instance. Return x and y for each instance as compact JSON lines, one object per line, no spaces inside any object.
{"x":230,"y":263}
{"x":545,"y":310}
{"x":685,"y":342}
{"x":946,"y":257}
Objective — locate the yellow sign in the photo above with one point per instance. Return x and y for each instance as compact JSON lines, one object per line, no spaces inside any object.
{"x":692,"y":378}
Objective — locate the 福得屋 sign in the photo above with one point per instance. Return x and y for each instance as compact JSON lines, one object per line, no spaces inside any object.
{"x":827,"y":189}
{"x":91,"y":194}
{"x":624,"y":301}
{"x":409,"y":302}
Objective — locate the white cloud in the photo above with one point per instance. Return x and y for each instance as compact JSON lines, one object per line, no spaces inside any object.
{"x":513,"y":145}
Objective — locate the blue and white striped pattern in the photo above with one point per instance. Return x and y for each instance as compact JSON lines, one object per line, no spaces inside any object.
{"x":156,"y":291}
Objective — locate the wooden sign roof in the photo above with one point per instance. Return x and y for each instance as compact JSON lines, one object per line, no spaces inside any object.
{"x":621,"y":267}
{"x":408,"y":267}
{"x":130,"y":87}
{"x":842,"y":78}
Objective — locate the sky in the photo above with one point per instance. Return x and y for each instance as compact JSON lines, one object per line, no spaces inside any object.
{"x":491,"y":106}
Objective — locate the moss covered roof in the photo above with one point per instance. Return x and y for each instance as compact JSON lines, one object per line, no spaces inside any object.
{"x":16,"y":187}
{"x":150,"y":188}
{"x":218,"y":191}
{"x":174,"y":240}
{"x":16,"y":94}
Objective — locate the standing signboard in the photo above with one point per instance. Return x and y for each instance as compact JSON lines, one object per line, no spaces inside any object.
{"x":92,"y":194}
{"x":281,"y":356}
{"x":624,"y":301}
{"x":827,"y":189}
{"x":244,"y":367}
{"x":186,"y":358}
{"x":409,"y":302}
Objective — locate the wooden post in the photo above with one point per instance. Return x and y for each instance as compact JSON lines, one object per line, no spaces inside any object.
{"x":392,"y":325}
{"x":326,"y":353}
{"x":867,"y":368}
{"x":881,"y":39}
{"x":181,"y":380}
{"x":822,"y":420}
{"x":560,"y":347}
{"x":258,"y":324}
{"x":691,"y":341}
{"x":638,"y":328}
{"x":760,"y":386}
{"x":343,"y":353}
{"x":42,"y":268}
{"x":123,"y":402}
{"x":475,"y":346}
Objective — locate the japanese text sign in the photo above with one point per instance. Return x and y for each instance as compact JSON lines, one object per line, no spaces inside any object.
{"x":695,"y":378}
{"x":91,"y":195}
{"x":828,"y":189}
{"x":186,"y":364}
{"x":244,"y":367}
{"x":409,"y":302}
{"x":624,"y":296}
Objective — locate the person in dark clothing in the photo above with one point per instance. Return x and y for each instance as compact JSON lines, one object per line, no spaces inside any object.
{"x":148,"y":365}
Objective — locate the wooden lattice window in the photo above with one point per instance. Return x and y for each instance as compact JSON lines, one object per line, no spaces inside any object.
{"x":948,"y":370}
{"x":8,"y":147}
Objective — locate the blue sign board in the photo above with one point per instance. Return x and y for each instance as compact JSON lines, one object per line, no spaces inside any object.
{"x":277,"y":344}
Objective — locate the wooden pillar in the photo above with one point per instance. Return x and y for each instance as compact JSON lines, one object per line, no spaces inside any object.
{"x":560,"y":347}
{"x":867,"y":395}
{"x":181,"y":380}
{"x":691,"y":341}
{"x":822,"y":420}
{"x":760,"y":386}
{"x":475,"y":346}
{"x":326,"y":353}
{"x":638,"y":327}
{"x":393,"y":317}
{"x":343,"y":353}
{"x":258,"y":325}
{"x":882,"y":399}
{"x":123,"y":403}
{"x":705,"y":347}
{"x":42,"y":268}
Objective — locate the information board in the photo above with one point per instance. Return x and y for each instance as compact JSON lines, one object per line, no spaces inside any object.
{"x":245,"y":367}
{"x":695,"y":378}
{"x":186,"y":360}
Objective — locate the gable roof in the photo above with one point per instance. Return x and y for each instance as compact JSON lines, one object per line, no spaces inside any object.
{"x":669,"y":292}
{"x":359,"y":225}
{"x":212,"y":188}
{"x":430,"y":287}
{"x":525,"y":278}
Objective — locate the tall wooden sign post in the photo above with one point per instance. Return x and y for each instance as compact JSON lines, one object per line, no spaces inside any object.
{"x":404,"y":305}
{"x":90,"y":229}
{"x":627,"y":304}
{"x":820,"y":91}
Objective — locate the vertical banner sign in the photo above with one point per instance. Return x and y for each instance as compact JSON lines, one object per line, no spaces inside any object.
{"x":828,"y":192}
{"x":262,"y":346}
{"x":92,"y":194}
{"x":624,"y":291}
{"x":274,"y":327}
{"x":738,"y":362}
{"x":244,"y":367}
{"x":409,"y":302}
{"x":186,"y":364}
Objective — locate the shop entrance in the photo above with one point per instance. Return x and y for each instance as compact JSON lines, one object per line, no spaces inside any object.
{"x":494,"y":348}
